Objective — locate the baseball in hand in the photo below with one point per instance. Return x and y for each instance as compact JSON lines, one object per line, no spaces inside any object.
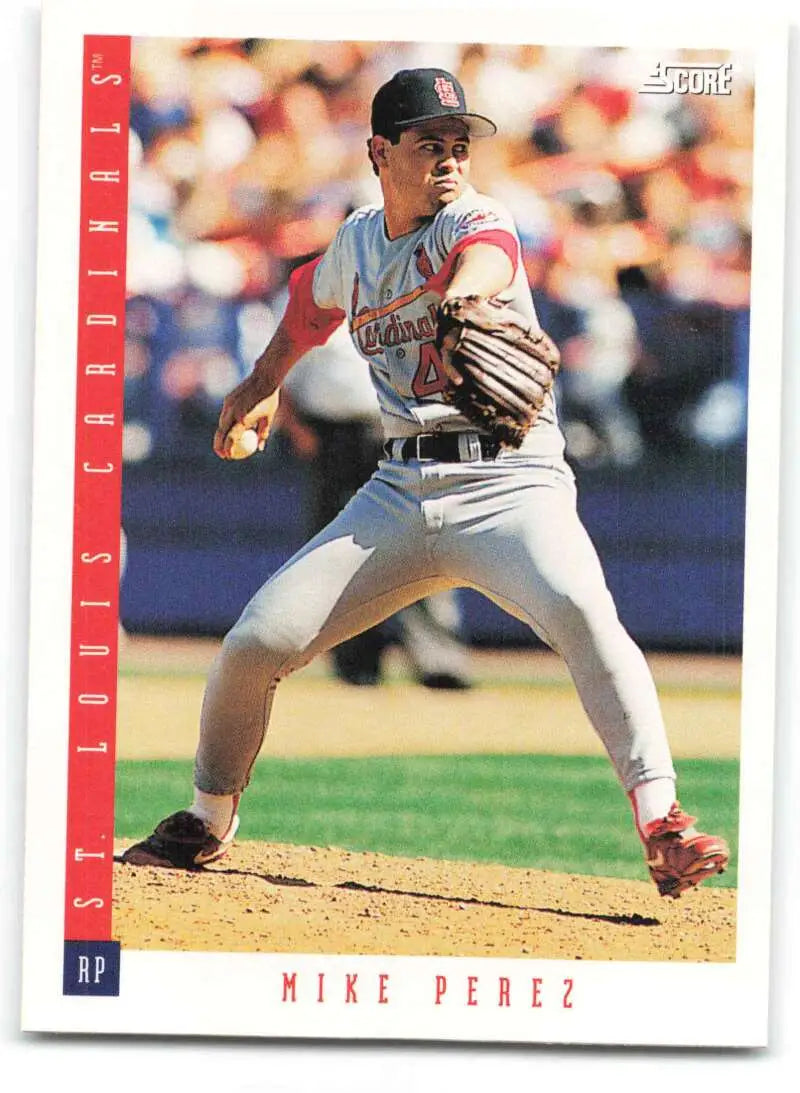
{"x":245,"y":443}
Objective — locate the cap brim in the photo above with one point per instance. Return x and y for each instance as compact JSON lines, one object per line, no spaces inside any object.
{"x":477,"y":124}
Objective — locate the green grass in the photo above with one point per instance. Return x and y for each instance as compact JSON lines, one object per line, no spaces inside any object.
{"x":563,"y":813}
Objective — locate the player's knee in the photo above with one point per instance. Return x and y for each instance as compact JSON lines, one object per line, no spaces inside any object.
{"x":261,"y":646}
{"x":577,"y":610}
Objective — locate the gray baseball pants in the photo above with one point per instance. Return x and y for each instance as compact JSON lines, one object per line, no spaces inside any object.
{"x":508,"y":528}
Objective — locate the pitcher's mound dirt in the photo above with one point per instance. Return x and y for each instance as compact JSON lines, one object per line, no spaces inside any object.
{"x":271,"y":898}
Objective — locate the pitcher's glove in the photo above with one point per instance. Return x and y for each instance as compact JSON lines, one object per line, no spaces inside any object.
{"x":500,"y":366}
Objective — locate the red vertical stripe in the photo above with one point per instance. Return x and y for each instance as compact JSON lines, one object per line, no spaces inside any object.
{"x":98,"y":458}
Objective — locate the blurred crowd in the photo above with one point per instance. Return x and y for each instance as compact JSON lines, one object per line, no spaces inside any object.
{"x":633,"y":210}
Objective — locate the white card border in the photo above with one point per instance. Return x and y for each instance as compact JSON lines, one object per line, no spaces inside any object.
{"x":64,"y":25}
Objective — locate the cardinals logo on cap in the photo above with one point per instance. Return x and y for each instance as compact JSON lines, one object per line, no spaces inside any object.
{"x":446,"y":92}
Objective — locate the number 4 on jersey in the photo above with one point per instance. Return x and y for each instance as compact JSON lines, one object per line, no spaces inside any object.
{"x":429,"y":378}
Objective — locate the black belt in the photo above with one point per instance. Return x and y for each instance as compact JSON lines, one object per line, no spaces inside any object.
{"x":443,"y":447}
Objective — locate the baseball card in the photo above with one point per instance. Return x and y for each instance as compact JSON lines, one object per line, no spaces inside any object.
{"x":404,"y":594}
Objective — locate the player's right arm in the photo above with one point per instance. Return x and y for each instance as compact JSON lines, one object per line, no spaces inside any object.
{"x":305,"y":324}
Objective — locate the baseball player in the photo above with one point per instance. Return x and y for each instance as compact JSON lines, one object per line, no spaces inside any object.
{"x":449,"y":506}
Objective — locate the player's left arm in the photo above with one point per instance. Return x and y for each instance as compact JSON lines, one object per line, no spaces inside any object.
{"x":481,"y":251}
{"x":480,"y":269}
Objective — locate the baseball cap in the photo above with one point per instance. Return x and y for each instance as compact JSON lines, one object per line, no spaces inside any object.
{"x":415,"y":95}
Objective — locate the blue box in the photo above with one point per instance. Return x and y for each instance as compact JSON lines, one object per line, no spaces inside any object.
{"x":91,"y":967}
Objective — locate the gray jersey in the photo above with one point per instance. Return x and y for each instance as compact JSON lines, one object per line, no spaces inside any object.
{"x":388,"y":291}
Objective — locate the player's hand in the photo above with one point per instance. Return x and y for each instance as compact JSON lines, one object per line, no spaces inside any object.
{"x":246,"y":406}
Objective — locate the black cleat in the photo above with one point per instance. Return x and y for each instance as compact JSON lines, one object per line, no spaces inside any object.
{"x":182,"y":841}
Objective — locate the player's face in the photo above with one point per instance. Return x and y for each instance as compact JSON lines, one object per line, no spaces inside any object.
{"x":429,"y":166}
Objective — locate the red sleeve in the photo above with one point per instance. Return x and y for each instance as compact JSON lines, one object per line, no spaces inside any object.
{"x":496,"y":237}
{"x":307,"y":324}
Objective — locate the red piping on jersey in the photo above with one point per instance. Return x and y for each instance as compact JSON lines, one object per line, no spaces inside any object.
{"x":496,"y":237}
{"x":306,"y":323}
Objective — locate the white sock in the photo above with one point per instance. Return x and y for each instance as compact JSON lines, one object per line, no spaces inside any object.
{"x":218,"y":812}
{"x":652,"y":801}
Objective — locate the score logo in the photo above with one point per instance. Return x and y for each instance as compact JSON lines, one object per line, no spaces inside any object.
{"x":689,"y":79}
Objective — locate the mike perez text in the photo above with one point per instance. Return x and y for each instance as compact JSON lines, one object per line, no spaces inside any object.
{"x":454,"y":989}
